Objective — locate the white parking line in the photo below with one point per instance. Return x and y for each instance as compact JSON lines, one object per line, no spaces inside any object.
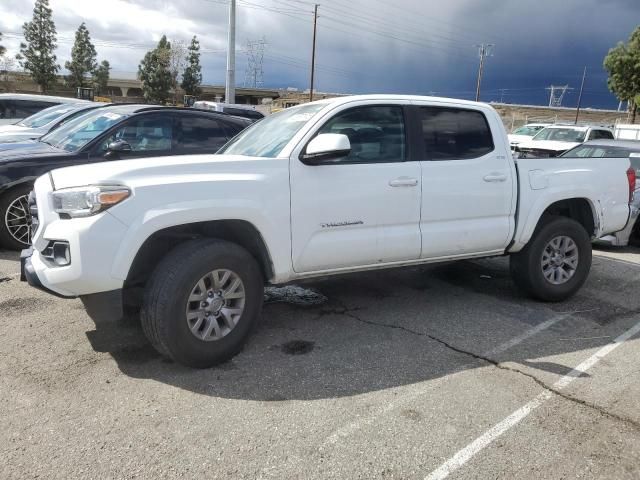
{"x":468,"y":452}
{"x":358,"y":424}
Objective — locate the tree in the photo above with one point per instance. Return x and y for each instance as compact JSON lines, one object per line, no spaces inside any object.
{"x":2,"y":49}
{"x":155,"y":73}
{"x":177,"y":60}
{"x":36,"y":55}
{"x":101,"y":77}
{"x":623,"y":64}
{"x":192,"y":77}
{"x":83,"y":59}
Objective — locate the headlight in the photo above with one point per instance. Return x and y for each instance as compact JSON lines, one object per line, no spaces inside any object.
{"x":87,"y":201}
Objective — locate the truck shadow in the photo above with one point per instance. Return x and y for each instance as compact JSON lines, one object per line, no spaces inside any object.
{"x":380,"y":330}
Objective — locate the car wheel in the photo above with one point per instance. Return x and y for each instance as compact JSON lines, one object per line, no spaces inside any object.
{"x":202,"y":302}
{"x":15,"y":225}
{"x":556,"y":261}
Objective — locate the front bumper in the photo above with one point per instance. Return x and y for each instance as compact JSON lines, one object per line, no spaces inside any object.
{"x":91,"y":245}
{"x":28,"y":273}
{"x":101,"y":307}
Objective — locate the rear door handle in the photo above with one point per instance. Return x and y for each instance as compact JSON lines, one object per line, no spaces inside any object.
{"x":495,"y":177}
{"x":404,"y":182}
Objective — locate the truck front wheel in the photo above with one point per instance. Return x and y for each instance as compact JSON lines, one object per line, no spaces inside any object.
{"x":202,"y":302}
{"x":556,"y":261}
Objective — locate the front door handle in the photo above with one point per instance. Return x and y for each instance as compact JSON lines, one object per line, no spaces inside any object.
{"x":404,"y":182}
{"x":495,"y":177}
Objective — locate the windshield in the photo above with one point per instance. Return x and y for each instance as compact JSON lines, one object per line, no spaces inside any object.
{"x":561,"y":135}
{"x":269,"y":136}
{"x":528,"y":130}
{"x":600,"y":151}
{"x":46,"y":116}
{"x":75,"y":134}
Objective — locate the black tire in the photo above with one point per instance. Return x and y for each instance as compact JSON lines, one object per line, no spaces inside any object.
{"x":526,"y":265}
{"x":6,"y":239}
{"x":167,"y":294}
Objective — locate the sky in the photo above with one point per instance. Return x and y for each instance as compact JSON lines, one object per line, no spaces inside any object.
{"x":366,"y":46}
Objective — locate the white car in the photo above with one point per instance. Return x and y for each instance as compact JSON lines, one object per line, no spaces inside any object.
{"x":41,"y":123}
{"x":16,"y":106}
{"x":525,"y":133}
{"x":238,"y":110}
{"x":340,"y":185}
{"x":554,"y":140}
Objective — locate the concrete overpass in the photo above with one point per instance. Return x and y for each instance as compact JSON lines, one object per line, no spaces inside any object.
{"x":131,"y":90}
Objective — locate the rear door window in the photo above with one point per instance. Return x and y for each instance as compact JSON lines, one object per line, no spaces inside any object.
{"x":201,"y":134}
{"x":455,"y":134}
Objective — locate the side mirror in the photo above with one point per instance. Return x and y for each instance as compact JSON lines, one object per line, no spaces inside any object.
{"x":326,"y":147}
{"x":119,"y":146}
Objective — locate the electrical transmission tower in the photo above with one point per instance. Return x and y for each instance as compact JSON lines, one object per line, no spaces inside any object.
{"x":556,"y":94}
{"x":254,"y":74}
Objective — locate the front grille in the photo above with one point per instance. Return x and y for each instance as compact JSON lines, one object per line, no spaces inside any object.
{"x":33,"y":211}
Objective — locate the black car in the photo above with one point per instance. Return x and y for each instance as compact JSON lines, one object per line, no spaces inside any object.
{"x":115,"y":132}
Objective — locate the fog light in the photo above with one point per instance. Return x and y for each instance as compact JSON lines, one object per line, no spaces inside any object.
{"x":58,"y":252}
{"x":61,"y":254}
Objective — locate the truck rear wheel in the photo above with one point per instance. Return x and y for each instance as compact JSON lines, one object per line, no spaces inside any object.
{"x":202,"y":302}
{"x":556,"y":261}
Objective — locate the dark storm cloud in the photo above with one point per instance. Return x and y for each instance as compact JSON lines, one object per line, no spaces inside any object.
{"x":405,"y":46}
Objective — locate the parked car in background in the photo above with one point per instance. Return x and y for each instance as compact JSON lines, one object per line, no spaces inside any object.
{"x":615,"y":149}
{"x":16,"y":106}
{"x":239,"y":110}
{"x":627,"y":131}
{"x":43,"y":122}
{"x":109,"y":133}
{"x":326,"y":188}
{"x":554,"y":140}
{"x":525,"y":133}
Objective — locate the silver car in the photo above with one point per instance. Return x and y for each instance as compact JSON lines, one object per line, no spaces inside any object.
{"x":609,"y":149}
{"x":41,"y":123}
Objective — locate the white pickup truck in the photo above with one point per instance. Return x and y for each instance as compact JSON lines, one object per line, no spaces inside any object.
{"x":330,"y":187}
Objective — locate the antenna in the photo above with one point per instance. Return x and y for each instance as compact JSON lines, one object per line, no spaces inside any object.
{"x":556,"y":94}
{"x":254,"y":74}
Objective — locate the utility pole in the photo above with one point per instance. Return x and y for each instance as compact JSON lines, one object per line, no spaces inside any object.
{"x":484,"y":51}
{"x":313,"y":51}
{"x":230,"y":87}
{"x":584,"y":75}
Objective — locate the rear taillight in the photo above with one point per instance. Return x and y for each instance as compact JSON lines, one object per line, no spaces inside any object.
{"x":631,"y":176}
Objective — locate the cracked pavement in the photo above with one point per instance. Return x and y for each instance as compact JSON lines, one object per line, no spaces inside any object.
{"x":379,"y":375}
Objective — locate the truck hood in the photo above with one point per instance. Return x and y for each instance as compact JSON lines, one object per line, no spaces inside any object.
{"x":516,"y":139}
{"x":145,"y":171}
{"x":550,"y":145}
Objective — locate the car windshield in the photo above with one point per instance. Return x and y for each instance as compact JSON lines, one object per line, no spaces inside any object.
{"x":528,"y":130}
{"x":75,"y":134}
{"x":46,"y":116}
{"x":561,"y":135}
{"x":269,"y":136}
{"x":600,"y":151}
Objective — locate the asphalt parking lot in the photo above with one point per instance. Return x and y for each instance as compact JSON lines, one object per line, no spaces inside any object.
{"x":406,"y":374}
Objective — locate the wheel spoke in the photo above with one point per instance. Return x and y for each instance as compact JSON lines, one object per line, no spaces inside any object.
{"x":228,"y":314}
